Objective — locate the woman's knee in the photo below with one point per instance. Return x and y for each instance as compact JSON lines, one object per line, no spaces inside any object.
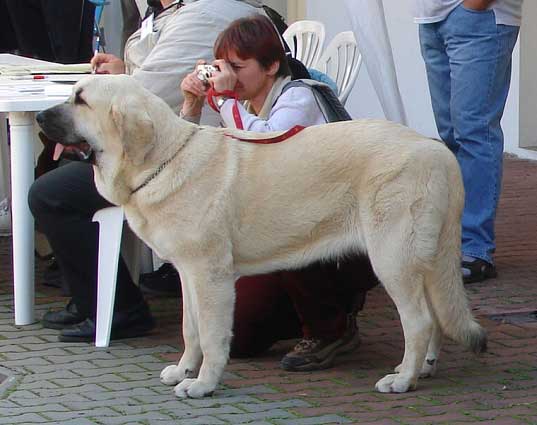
{"x":41,"y":195}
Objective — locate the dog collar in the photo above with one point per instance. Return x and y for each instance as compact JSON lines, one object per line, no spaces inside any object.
{"x":156,"y":172}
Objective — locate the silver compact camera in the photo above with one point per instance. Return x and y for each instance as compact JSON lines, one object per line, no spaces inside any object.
{"x":205,"y":72}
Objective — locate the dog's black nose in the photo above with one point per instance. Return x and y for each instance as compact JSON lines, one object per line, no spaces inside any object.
{"x":40,"y":117}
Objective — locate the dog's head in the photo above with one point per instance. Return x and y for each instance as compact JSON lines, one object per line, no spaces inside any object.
{"x":100,"y":108}
{"x":107,"y":119}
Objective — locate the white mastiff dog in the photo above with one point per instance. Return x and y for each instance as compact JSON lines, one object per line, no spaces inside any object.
{"x":218,"y":208}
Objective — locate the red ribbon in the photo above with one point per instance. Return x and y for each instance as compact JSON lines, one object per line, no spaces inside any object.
{"x":212,"y":93}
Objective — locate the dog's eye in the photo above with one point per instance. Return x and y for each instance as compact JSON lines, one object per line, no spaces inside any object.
{"x":79,"y":100}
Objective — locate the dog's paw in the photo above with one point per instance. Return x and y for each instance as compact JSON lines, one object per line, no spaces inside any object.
{"x":193,"y":388}
{"x":428,"y":369}
{"x":394,"y":383}
{"x":172,"y":375}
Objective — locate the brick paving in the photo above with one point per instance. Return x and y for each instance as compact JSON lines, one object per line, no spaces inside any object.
{"x":52,"y":382}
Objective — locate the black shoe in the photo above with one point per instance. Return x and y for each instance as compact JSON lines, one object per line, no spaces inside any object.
{"x":130,"y":324}
{"x":164,"y":281}
{"x":477,"y":270}
{"x":65,"y":318}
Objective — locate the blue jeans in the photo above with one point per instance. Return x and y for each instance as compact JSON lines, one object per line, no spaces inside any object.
{"x":468,"y":62}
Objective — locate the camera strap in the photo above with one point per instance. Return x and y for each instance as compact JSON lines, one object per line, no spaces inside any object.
{"x":212,"y":93}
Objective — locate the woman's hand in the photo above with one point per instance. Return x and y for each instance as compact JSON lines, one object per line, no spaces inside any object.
{"x":225,"y":79}
{"x":477,"y":4}
{"x":104,"y":63}
{"x":194,"y":93}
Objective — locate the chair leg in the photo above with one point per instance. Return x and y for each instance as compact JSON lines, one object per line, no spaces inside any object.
{"x":110,"y":229}
{"x":4,"y":159}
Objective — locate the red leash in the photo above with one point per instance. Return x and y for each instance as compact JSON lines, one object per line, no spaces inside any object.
{"x":211,"y":94}
{"x":276,"y":139}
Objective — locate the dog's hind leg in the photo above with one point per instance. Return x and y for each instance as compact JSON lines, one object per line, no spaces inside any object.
{"x":405,"y":285}
{"x":430,"y":364}
{"x":428,"y":368}
{"x":191,"y":359}
{"x":215,"y":294}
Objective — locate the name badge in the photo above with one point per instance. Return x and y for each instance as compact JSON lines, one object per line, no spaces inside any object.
{"x":147,"y":26}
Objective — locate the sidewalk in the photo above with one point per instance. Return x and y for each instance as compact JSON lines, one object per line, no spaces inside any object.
{"x":52,"y":382}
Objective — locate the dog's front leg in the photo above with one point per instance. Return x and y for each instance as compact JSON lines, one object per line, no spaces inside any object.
{"x":191,"y":359}
{"x":215,"y":296}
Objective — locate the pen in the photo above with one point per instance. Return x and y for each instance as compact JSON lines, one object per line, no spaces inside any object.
{"x":30,"y":77}
{"x":97,"y":42}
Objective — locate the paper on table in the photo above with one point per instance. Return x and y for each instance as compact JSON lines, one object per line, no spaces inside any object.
{"x":75,"y":68}
{"x":58,"y":89}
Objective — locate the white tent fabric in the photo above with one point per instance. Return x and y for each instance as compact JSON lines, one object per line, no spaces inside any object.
{"x":371,"y":32}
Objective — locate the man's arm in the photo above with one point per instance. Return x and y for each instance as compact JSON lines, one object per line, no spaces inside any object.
{"x":188,"y":36}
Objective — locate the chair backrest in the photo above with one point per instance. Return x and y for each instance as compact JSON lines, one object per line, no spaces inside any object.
{"x":305,"y":39}
{"x":341,"y":61}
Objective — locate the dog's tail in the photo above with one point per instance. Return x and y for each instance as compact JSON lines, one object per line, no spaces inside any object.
{"x":444,"y":285}
{"x":451,"y":307}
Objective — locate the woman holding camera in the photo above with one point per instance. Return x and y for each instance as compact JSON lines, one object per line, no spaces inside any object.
{"x":319,"y":302}
{"x":251,"y":63}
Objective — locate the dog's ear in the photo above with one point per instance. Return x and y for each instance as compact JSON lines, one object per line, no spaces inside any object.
{"x":135,"y":128}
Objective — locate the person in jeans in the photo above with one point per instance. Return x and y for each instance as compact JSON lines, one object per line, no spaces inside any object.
{"x":318,"y":303}
{"x":64,"y":200}
{"x":467,"y":48}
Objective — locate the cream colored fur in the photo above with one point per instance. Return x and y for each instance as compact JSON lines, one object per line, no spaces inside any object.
{"x":223,"y":208}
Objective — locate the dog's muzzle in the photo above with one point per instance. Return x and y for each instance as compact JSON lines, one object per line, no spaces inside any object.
{"x":58,"y":129}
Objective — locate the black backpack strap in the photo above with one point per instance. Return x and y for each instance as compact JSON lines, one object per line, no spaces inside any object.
{"x":329,"y":104}
{"x":276,"y":18}
{"x":298,"y":70}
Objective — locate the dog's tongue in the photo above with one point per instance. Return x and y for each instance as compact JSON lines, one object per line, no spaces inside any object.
{"x":58,"y":149}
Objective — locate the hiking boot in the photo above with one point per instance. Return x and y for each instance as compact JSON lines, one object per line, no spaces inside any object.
{"x":477,"y":270}
{"x":315,"y":353}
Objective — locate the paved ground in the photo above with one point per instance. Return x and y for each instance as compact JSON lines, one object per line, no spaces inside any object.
{"x":52,"y":382}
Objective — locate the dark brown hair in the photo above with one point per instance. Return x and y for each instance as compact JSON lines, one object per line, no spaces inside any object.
{"x":253,"y":37}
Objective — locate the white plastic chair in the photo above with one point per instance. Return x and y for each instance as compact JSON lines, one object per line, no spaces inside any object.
{"x":305,"y":39}
{"x":137,"y":257}
{"x":341,"y":61}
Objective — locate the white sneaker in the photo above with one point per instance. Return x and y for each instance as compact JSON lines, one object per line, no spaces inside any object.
{"x":5,"y":218}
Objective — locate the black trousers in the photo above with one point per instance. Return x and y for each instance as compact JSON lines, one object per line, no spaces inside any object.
{"x":53,"y":30}
{"x":8,"y":41}
{"x":63,"y":202}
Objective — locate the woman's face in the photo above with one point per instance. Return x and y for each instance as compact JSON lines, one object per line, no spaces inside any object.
{"x":253,"y":81}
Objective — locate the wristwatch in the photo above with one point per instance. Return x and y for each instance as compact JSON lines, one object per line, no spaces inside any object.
{"x":220,"y":100}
